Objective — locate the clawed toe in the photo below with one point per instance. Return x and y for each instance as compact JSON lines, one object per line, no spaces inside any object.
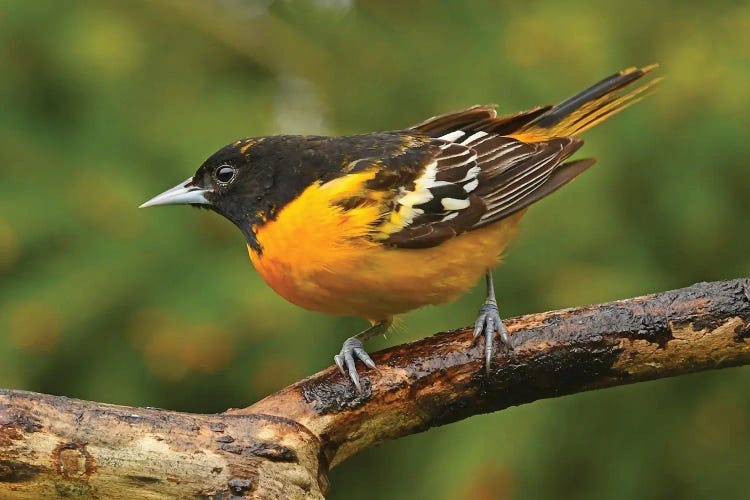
{"x":352,"y":350}
{"x":488,"y":322}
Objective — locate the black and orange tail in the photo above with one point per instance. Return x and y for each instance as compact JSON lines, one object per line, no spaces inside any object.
{"x":589,"y":107}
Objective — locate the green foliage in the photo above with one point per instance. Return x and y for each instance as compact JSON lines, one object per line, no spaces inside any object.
{"x":105,"y":104}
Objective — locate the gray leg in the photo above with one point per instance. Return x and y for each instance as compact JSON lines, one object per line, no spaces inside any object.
{"x":354,"y":347}
{"x":489,"y":321}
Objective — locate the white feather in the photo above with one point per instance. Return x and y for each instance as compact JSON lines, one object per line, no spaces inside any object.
{"x":454,"y":203}
{"x":474,"y":136}
{"x":471,"y":173}
{"x":452,"y":136}
{"x":415,"y":198}
{"x":471,"y":186}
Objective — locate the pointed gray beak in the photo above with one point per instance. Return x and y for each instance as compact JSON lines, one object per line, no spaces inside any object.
{"x":182,"y":194}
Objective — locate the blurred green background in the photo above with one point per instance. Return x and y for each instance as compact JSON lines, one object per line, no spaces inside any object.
{"x":105,"y":104}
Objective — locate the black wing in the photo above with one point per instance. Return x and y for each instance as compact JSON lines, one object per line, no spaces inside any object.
{"x":473,"y":175}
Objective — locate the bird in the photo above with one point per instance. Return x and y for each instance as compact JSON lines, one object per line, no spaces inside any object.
{"x":378,"y":224}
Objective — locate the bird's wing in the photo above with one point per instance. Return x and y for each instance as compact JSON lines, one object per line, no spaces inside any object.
{"x":474,"y":168}
{"x":471,"y":176}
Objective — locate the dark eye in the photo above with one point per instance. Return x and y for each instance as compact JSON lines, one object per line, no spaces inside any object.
{"x":225,"y":174}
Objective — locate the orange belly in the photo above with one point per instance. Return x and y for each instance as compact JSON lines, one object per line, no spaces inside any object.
{"x":319,"y":259}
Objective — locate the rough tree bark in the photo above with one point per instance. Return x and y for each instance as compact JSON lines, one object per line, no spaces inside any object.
{"x":284,"y":445}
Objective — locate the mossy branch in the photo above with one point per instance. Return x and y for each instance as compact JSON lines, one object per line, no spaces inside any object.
{"x":284,"y":445}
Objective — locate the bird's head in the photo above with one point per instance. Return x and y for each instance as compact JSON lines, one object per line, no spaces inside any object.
{"x":235,"y":182}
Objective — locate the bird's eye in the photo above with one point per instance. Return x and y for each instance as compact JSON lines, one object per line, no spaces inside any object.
{"x":225,"y":174}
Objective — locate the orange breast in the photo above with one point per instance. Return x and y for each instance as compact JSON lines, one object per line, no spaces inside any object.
{"x":316,"y":256}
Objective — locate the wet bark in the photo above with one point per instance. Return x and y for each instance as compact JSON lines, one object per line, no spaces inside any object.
{"x":284,"y":445}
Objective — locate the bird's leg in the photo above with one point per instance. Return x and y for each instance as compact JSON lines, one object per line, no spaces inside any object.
{"x":353,"y":347}
{"x":489,"y":321}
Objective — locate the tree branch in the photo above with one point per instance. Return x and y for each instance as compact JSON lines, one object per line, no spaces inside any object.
{"x":283,"y":446}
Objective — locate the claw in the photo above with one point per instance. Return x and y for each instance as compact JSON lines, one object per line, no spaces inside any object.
{"x":352,"y":350}
{"x":340,"y":363}
{"x":352,"y":368}
{"x":365,"y":358}
{"x":488,"y":322}
{"x":478,"y":327}
{"x":504,"y":335}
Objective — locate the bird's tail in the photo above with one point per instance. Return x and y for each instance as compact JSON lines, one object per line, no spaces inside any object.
{"x":589,"y":107}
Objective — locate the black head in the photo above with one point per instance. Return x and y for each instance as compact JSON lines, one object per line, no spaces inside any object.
{"x":235,"y":182}
{"x":238,"y":182}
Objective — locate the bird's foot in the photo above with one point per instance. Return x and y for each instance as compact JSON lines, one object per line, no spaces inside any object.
{"x":488,"y":322}
{"x":353,"y":348}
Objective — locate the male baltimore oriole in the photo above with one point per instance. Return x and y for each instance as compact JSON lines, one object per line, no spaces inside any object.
{"x":378,"y":224}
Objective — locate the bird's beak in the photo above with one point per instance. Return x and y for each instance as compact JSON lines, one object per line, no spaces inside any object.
{"x":184,"y":193}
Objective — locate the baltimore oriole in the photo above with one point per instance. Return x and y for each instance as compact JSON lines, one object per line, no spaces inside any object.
{"x":378,"y":224}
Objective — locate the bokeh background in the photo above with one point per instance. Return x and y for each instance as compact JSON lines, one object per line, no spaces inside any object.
{"x":104,"y":104}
